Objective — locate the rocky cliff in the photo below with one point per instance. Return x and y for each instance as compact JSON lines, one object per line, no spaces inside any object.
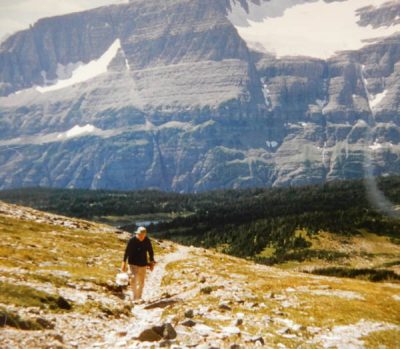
{"x":170,"y":96}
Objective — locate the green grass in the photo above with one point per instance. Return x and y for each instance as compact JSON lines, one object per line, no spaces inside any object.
{"x":25,"y":296}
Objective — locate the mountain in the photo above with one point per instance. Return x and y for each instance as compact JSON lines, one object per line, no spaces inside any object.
{"x":58,"y":289}
{"x":193,"y":95}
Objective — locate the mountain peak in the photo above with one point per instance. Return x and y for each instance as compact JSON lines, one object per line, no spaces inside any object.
{"x":225,"y":115}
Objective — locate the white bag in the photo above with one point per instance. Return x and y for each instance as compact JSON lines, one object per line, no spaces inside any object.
{"x":122,"y":279}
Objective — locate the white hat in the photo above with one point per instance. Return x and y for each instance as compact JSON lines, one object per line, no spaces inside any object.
{"x":141,"y":230}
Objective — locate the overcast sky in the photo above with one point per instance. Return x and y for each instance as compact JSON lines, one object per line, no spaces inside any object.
{"x":19,"y":14}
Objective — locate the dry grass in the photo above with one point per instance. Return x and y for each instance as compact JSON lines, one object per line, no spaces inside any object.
{"x":44,"y":248}
{"x":305,"y":308}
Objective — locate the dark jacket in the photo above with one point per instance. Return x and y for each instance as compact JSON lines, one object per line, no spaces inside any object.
{"x":136,"y":251}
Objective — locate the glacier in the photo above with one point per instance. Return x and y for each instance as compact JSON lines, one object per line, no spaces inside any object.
{"x":306,"y":27}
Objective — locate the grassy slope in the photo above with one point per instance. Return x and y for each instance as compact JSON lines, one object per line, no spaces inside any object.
{"x":38,"y":252}
{"x":364,"y":250}
{"x":41,"y":247}
{"x":269,"y":297}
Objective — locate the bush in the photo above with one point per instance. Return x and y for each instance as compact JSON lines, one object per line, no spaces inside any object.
{"x":375,"y":275}
{"x":12,"y":319}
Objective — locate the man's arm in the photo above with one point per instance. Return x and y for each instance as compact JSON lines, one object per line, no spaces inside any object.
{"x":151,"y":254}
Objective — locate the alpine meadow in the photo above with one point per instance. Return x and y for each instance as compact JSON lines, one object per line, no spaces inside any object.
{"x":200,"y":174}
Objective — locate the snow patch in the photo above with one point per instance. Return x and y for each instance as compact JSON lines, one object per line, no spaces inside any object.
{"x":128,"y":67}
{"x":82,"y":72}
{"x":271,"y":144}
{"x":306,"y":27}
{"x":375,"y":100}
{"x":345,"y":337}
{"x":266,"y":92}
{"x":176,"y":124}
{"x":375,"y":146}
{"x":321,"y":103}
{"x":324,"y":154}
{"x":78,"y":131}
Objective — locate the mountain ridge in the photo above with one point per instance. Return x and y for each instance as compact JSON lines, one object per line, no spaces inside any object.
{"x":185,"y":105}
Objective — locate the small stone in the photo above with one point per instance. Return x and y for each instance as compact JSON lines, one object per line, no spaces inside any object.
{"x":256,"y":340}
{"x":63,"y":303}
{"x":45,"y":323}
{"x":58,"y":337}
{"x":189,"y":323}
{"x":231,"y":330}
{"x":166,"y":344}
{"x":203,"y":330}
{"x":239,"y":322}
{"x":189,"y":313}
{"x":278,"y":312}
{"x":285,"y":330}
{"x":34,"y":311}
{"x":224,"y":306}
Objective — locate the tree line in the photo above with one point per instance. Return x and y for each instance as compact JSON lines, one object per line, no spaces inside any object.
{"x":243,"y":222}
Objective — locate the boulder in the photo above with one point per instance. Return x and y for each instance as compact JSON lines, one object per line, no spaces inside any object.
{"x":157,"y":333}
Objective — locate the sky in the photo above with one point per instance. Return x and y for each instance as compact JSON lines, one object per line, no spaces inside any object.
{"x":19,"y":14}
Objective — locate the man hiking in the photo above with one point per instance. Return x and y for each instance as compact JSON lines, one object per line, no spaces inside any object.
{"x":136,"y":252}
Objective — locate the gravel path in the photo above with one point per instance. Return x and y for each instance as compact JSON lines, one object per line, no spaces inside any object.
{"x":145,"y":318}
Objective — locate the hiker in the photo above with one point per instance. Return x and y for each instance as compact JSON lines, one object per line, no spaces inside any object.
{"x":136,"y":254}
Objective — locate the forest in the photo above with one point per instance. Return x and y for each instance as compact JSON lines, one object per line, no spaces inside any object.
{"x":239,"y":222}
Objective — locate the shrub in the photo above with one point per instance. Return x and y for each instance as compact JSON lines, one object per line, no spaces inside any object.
{"x":374,"y":275}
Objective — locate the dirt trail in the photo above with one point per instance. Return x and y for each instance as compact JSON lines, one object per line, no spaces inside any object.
{"x":144,"y":318}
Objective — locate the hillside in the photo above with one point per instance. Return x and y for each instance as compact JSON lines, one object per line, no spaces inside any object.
{"x":312,"y":228}
{"x":57,"y":291}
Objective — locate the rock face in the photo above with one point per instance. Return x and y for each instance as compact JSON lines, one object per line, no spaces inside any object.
{"x":177,"y":101}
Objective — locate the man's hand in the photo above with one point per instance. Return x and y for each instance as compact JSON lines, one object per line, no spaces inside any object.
{"x":123,"y":267}
{"x":151,"y":265}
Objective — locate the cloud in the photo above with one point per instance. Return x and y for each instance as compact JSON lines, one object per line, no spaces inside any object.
{"x":17,"y":15}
